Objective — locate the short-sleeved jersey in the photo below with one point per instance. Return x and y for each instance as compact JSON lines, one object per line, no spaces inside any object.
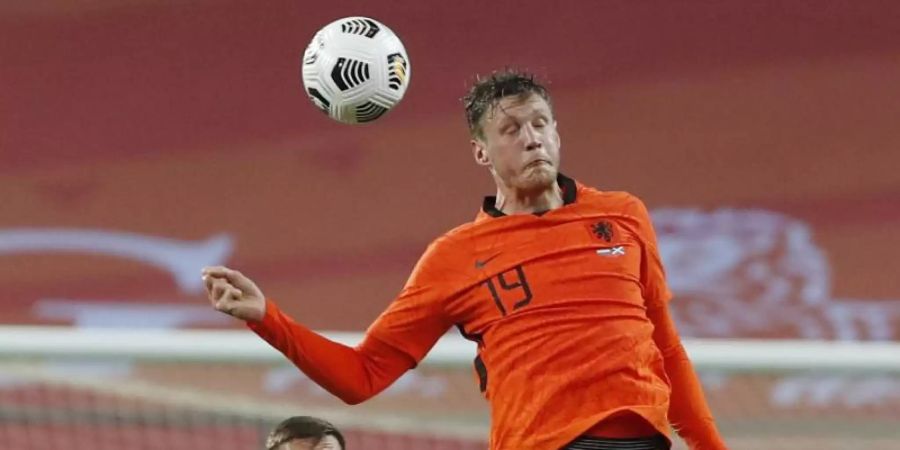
{"x":557,"y":305}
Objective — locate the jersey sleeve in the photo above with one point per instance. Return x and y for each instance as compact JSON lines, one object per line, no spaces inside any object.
{"x":351,"y":374}
{"x":654,"y":287}
{"x":688,"y":411}
{"x":396,"y":342}
{"x":416,"y":319}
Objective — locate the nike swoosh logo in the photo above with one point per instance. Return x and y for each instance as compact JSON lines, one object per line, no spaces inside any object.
{"x":480,"y":263}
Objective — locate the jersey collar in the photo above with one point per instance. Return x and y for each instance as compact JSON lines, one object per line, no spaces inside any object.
{"x":569,"y":190}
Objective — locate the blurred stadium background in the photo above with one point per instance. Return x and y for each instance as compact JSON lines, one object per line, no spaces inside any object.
{"x":143,"y":139}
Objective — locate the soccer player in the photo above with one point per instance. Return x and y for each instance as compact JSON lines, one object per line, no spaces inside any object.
{"x":560,"y":285}
{"x":305,"y":433}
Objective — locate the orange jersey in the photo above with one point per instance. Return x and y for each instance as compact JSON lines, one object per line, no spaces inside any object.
{"x":560,"y":306}
{"x":556,"y":303}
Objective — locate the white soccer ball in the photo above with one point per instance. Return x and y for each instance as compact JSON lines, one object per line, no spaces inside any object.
{"x":355,"y":69}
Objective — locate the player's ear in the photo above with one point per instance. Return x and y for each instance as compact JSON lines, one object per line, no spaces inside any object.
{"x":479,"y":151}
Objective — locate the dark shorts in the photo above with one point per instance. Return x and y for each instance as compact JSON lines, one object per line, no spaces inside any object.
{"x":658,"y":442}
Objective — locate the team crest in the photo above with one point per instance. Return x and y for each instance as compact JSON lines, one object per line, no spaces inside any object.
{"x":603,"y":230}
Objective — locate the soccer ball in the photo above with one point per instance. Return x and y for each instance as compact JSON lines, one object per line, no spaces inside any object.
{"x":355,"y":69}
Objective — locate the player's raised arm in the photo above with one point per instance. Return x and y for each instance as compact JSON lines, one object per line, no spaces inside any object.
{"x":401,"y":336}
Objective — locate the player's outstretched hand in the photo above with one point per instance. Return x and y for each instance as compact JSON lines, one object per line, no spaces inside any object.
{"x":232,"y":293}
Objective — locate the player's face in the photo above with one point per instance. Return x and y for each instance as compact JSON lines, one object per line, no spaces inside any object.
{"x":326,"y":443}
{"x":520,"y":143}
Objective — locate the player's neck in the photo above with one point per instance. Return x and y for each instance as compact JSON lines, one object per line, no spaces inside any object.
{"x":511,"y":201}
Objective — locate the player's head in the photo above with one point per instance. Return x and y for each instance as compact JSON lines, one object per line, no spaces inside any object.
{"x":305,"y":433}
{"x":513,"y":130}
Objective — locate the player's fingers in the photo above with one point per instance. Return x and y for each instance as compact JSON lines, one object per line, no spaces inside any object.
{"x":219,"y":287}
{"x":232,"y":277}
{"x":224,"y":305}
{"x":228,"y":300}
{"x":229,"y":292}
{"x":215,"y":271}
{"x":212,"y":300}
{"x":208,"y":284}
{"x":223,"y":272}
{"x":232,"y":293}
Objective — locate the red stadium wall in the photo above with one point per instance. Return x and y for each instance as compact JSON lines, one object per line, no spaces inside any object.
{"x":186,"y":121}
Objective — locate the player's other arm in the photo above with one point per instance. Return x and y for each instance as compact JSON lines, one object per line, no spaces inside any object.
{"x":393,"y":345}
{"x":688,"y":410}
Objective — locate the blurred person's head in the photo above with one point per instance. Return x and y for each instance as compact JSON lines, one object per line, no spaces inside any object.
{"x":513,"y":131}
{"x":305,"y":433}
